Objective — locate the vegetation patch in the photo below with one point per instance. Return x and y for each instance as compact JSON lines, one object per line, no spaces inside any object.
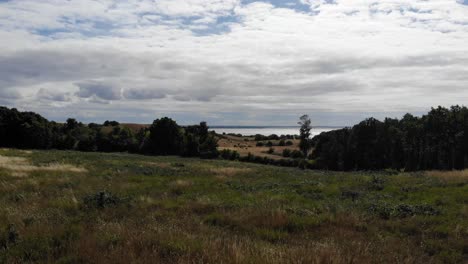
{"x":102,"y":199}
{"x":229,"y":171}
{"x":453,"y":176}
{"x":403,"y":210}
{"x":20,"y":166}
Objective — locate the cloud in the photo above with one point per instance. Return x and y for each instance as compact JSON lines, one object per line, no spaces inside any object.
{"x":143,"y":94}
{"x":250,"y":60}
{"x":6,"y":93}
{"x":98,"y":89}
{"x":195,"y":7}
{"x":53,"y":95}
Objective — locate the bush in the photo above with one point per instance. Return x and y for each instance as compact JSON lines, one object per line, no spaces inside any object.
{"x":376,"y":184}
{"x":286,"y":153}
{"x":273,"y":137}
{"x":228,"y":154}
{"x":350,"y":194}
{"x":260,"y":144}
{"x":296,"y":154}
{"x":271,"y":151}
{"x":259,"y":137}
{"x":101,"y":200}
{"x":386,"y":211}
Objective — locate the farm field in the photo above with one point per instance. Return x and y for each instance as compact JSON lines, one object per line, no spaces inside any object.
{"x":76,"y":207}
{"x":245,"y":145}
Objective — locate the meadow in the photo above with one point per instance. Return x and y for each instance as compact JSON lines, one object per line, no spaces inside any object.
{"x":76,"y":207}
{"x":247,"y":144}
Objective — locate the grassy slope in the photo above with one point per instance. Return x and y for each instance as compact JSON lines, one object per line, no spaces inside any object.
{"x":173,"y":210}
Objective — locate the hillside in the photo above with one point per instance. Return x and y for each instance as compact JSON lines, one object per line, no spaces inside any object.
{"x":74,"y":207}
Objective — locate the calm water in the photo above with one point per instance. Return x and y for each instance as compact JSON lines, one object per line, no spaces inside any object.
{"x":250,"y":131}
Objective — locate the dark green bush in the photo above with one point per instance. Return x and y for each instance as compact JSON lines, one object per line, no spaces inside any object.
{"x":102,"y":199}
{"x":228,"y":154}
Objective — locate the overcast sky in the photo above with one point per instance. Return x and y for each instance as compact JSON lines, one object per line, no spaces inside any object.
{"x":238,"y":62}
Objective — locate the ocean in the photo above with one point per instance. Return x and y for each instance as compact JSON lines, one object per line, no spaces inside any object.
{"x":267,"y":130}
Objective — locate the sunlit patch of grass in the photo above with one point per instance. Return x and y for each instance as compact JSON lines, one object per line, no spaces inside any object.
{"x":182,"y":183}
{"x":20,"y":166}
{"x":454,"y":176}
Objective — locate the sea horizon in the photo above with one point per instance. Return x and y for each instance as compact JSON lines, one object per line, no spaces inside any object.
{"x":267,"y":126}
{"x":269,"y":130}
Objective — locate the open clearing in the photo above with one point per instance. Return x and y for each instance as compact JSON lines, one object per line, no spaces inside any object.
{"x":245,"y":145}
{"x":72,"y":207}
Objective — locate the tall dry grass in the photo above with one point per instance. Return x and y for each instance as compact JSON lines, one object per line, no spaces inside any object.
{"x":20,"y":166}
{"x":450,"y":176}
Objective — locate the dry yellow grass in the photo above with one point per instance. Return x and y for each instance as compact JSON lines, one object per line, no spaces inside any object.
{"x":245,"y":147}
{"x":450,"y":176}
{"x":181,"y":183}
{"x":20,"y":166}
{"x":19,"y":150}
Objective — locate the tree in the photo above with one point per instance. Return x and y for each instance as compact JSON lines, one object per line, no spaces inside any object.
{"x":304,"y":134}
{"x":165,"y":137}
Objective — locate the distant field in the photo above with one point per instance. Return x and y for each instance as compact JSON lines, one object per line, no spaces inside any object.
{"x":246,"y":145}
{"x":243,"y":145}
{"x":72,"y":207}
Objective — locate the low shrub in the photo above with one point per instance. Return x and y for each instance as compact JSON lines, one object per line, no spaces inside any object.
{"x":296,"y":154}
{"x":101,"y":200}
{"x":228,"y":154}
{"x":387,"y":211}
{"x":350,"y":194}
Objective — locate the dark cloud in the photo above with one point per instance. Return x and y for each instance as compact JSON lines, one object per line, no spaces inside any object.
{"x":98,"y":89}
{"x":9,"y":93}
{"x":143,"y":94}
{"x":32,"y":67}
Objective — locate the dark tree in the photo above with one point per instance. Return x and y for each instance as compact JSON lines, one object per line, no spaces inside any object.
{"x":304,"y":134}
{"x":438,"y":140}
{"x":165,"y":137}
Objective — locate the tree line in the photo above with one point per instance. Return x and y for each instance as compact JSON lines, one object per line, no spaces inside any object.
{"x":435,"y":141}
{"x":29,"y":130}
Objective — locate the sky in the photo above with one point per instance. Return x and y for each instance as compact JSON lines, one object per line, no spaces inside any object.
{"x":232,"y":62}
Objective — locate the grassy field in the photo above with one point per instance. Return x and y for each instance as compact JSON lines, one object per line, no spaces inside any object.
{"x":245,"y":145}
{"x":71,"y":207}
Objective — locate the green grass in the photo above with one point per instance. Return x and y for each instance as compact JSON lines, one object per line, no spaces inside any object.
{"x":137,"y":209}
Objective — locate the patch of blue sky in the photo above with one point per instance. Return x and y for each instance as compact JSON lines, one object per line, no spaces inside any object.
{"x":219,"y":26}
{"x":291,"y":4}
{"x":50,"y":32}
{"x":84,"y":27}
